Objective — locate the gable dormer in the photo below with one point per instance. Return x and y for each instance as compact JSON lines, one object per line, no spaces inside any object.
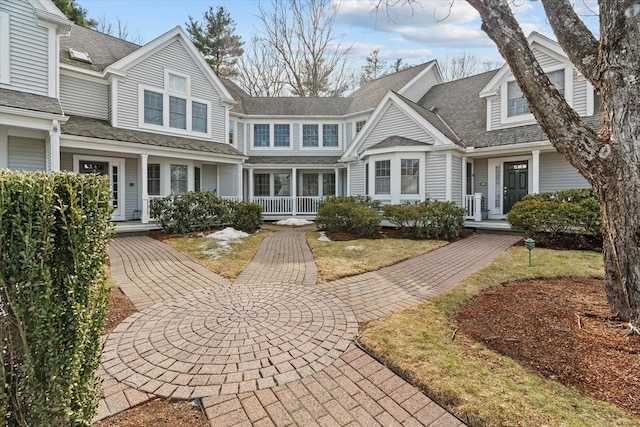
{"x":506,"y":105}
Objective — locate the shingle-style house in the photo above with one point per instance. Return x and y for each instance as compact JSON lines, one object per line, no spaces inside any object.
{"x":157,"y":120}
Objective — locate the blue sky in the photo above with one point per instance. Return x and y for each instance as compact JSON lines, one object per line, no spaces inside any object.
{"x":431,"y":29}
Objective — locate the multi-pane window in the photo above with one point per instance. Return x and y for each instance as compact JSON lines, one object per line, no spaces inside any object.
{"x":153,"y":179}
{"x":328,"y":184}
{"x":281,"y":135}
{"x":232,"y":130}
{"x":330,"y":135}
{"x":516,"y":102}
{"x":179,"y":183}
{"x":177,"y":112}
{"x":261,"y":184}
{"x":360,"y":125}
{"x":198,"y":117}
{"x":383,"y":177}
{"x":409,"y":175}
{"x":309,"y":135}
{"x":260,"y":135}
{"x":152,"y":107}
{"x":281,"y":184}
{"x":177,"y":83}
{"x":309,"y":184}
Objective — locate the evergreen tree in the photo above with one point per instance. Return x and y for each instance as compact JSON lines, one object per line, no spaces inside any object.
{"x":215,"y":39}
{"x":374,"y":68}
{"x":75,"y":13}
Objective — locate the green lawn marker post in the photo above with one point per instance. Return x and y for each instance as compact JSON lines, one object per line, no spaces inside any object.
{"x":529,"y":244}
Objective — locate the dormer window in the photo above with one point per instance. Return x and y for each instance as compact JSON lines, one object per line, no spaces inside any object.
{"x":80,"y":55}
{"x":517,"y":104}
{"x":172,"y":108}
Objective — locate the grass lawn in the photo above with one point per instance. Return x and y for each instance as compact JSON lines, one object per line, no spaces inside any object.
{"x":230,"y":262}
{"x":473,"y":382}
{"x":340,"y":259}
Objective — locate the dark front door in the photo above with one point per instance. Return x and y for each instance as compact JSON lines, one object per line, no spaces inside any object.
{"x":516,"y":175}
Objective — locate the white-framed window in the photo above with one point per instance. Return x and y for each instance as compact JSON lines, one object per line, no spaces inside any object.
{"x":153,"y":179}
{"x":360,"y":125}
{"x":281,"y":135}
{"x":282,"y":184}
{"x":310,"y":184}
{"x":325,"y":135}
{"x":172,"y":108}
{"x":409,"y":176}
{"x":518,"y":105}
{"x":310,"y":135}
{"x":261,"y":184}
{"x":232,"y":131}
{"x":261,"y":135}
{"x":179,"y":179}
{"x":328,"y":184}
{"x":383,"y":177}
{"x":270,"y":135}
{"x":5,"y":48}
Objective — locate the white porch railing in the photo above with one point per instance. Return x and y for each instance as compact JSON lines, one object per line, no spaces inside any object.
{"x":303,"y":205}
{"x":473,"y":204}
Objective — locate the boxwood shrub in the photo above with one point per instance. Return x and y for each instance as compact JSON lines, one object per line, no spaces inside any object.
{"x":204,"y":210}
{"x":548,"y":215}
{"x":54,"y":230}
{"x":354,"y":215}
{"x":431,"y":219}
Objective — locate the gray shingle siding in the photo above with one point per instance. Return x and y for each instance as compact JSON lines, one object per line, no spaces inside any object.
{"x":27,"y":154}
{"x":28,"y":48}
{"x":480,"y":176}
{"x":435,"y":179}
{"x":557,"y":174}
{"x":579,"y":94}
{"x":209,"y":177}
{"x":357,"y":175}
{"x":83,"y":97}
{"x":543,"y":59}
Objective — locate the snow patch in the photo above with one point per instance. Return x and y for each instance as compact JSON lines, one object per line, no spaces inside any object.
{"x":295,"y":222}
{"x":355,"y":248}
{"x":323,"y":237}
{"x":223,"y":239}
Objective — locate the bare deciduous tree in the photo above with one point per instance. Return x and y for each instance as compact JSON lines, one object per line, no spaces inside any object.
{"x":120,"y":29}
{"x":260,"y":72}
{"x":465,"y":64}
{"x":609,"y":159}
{"x":300,"y":34}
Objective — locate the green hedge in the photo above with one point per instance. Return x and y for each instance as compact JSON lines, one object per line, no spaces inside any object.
{"x":548,"y":215}
{"x":354,"y":215}
{"x":431,"y":219}
{"x":54,"y":234}
{"x":204,"y":210}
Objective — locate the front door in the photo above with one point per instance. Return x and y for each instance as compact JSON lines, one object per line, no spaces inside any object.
{"x":515,"y":183}
{"x":111,"y":168}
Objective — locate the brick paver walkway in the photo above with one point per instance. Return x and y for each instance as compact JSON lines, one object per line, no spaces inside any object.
{"x":271,"y":348}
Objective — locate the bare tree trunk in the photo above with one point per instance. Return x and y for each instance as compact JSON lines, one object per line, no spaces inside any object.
{"x":609,"y":161}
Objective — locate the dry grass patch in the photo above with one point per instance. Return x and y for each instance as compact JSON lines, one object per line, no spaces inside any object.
{"x":230,"y":262}
{"x":351,"y":257}
{"x":473,"y":382}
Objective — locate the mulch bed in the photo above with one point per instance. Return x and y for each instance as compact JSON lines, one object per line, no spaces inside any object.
{"x":158,"y":413}
{"x":563,"y":330}
{"x":118,"y":308}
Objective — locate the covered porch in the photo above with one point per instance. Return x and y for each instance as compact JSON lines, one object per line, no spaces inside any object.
{"x":293,"y":186}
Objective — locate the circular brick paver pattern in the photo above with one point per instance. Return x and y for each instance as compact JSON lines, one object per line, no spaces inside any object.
{"x":226,"y":340}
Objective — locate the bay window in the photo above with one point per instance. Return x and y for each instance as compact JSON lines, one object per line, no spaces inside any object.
{"x":409,"y":176}
{"x":383,"y":177}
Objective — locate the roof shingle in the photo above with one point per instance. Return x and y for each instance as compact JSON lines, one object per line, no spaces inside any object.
{"x":29,"y":101}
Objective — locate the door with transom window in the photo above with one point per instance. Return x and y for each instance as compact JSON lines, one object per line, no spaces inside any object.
{"x":516,"y":183}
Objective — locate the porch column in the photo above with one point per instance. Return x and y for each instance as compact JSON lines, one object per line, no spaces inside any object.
{"x":535,"y":171}
{"x":336,"y":172}
{"x":54,"y":146}
{"x":239,"y":179}
{"x":448,"y":173}
{"x":144,"y":189}
{"x":294,"y":188}
{"x":464,"y":178}
{"x":477,"y":207}
{"x":250,"y":185}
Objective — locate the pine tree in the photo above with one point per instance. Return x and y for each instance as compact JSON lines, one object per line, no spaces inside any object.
{"x":215,"y":39}
{"x":374,"y":68}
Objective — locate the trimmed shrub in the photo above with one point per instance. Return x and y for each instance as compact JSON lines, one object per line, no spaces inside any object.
{"x":348,"y":215}
{"x":366,"y":201}
{"x":204,"y":210}
{"x":431,"y":219}
{"x":54,"y":230}
{"x":247,"y":216}
{"x":548,"y":215}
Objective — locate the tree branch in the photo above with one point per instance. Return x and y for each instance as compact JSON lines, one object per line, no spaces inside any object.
{"x":566,"y":131}
{"x":574,"y":37}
